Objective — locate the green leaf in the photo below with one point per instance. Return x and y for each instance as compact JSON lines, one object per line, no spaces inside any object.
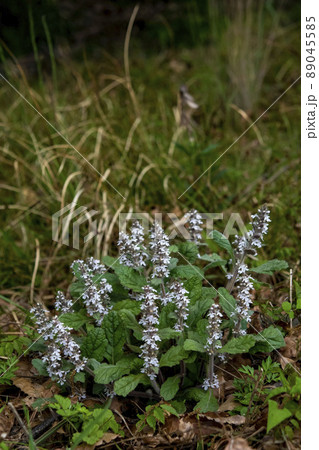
{"x":222,"y":242}
{"x":159,"y":414}
{"x":127,"y":384}
{"x":270,"y":267}
{"x":173,"y":356}
{"x":111,"y":261}
{"x":208,"y":403}
{"x":187,"y":272}
{"x":286,"y":306}
{"x":173,"y":248}
{"x":170,"y":387}
{"x":129,"y":321}
{"x":276,"y":415}
{"x":74,"y":320}
{"x":106,"y":373}
{"x":130,"y":278}
{"x":94,"y":344}
{"x":194,"y":394}
{"x":227,"y":303}
{"x":194,"y":287}
{"x":170,"y":409}
{"x":197,"y":311}
{"x":40,"y":366}
{"x":168,"y":333}
{"x":214,"y":260}
{"x":131,"y":305}
{"x":268,"y":340}
{"x":189,"y":250}
{"x":179,"y":406}
{"x":194,"y":346}
{"x":151,"y":420}
{"x":93,"y":429}
{"x":241,"y":344}
{"x":115,"y":333}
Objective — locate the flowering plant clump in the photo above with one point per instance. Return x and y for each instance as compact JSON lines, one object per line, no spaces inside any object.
{"x":151,"y":317}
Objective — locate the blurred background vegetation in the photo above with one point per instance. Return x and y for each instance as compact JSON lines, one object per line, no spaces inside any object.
{"x":112,"y":90}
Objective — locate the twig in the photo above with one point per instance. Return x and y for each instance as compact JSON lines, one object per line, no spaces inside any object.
{"x":21,"y":423}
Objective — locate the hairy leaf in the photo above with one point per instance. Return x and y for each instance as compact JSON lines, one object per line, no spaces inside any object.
{"x":227,"y":303}
{"x":127,"y":384}
{"x":130,"y":278}
{"x":115,"y":333}
{"x":94,"y":344}
{"x":74,"y":320}
{"x":241,"y":344}
{"x":268,"y":340}
{"x":208,"y":403}
{"x":173,"y":356}
{"x":170,"y":387}
{"x":189,"y":250}
{"x":271,"y":266}
{"x":222,"y":242}
{"x":192,"y":345}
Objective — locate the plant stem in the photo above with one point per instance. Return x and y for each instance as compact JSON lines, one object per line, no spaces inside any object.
{"x":155,"y":386}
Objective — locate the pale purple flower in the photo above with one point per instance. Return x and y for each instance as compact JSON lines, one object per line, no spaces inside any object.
{"x":131,"y":247}
{"x":195,"y":227}
{"x":159,"y":247}
{"x":149,"y":321}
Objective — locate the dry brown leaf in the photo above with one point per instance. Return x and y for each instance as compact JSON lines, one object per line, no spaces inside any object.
{"x":291,"y":348}
{"x":6,"y":422}
{"x":107,"y":438}
{"x":238,"y":444}
{"x":228,"y":405}
{"x":224,"y":418}
{"x":35,"y":390}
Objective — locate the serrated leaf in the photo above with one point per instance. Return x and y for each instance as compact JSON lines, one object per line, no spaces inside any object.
{"x":106,"y":373}
{"x":130,"y":278}
{"x":222,"y":242}
{"x":199,"y":309}
{"x":115,"y":333}
{"x":130,"y":322}
{"x":170,"y":409}
{"x":170,"y":387}
{"x":94,"y":344}
{"x":151,"y":420}
{"x":189,"y":250}
{"x":159,"y":414}
{"x":214,"y":261}
{"x":173,"y":356}
{"x":227,"y":303}
{"x":40,"y":366}
{"x":192,"y":345}
{"x":194,"y":287}
{"x":168,"y":333}
{"x":208,"y":403}
{"x":276,"y":415}
{"x":194,"y":394}
{"x":268,"y":340}
{"x":131,"y":305}
{"x":241,"y":344}
{"x":270,"y":267}
{"x":173,"y":248}
{"x":127,"y":384}
{"x":74,"y":320}
{"x":186,"y":272}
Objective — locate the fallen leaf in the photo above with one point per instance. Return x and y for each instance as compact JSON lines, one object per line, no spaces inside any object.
{"x":228,"y":405}
{"x":238,"y":444}
{"x":6,"y":422}
{"x":106,"y":438}
{"x":35,"y":390}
